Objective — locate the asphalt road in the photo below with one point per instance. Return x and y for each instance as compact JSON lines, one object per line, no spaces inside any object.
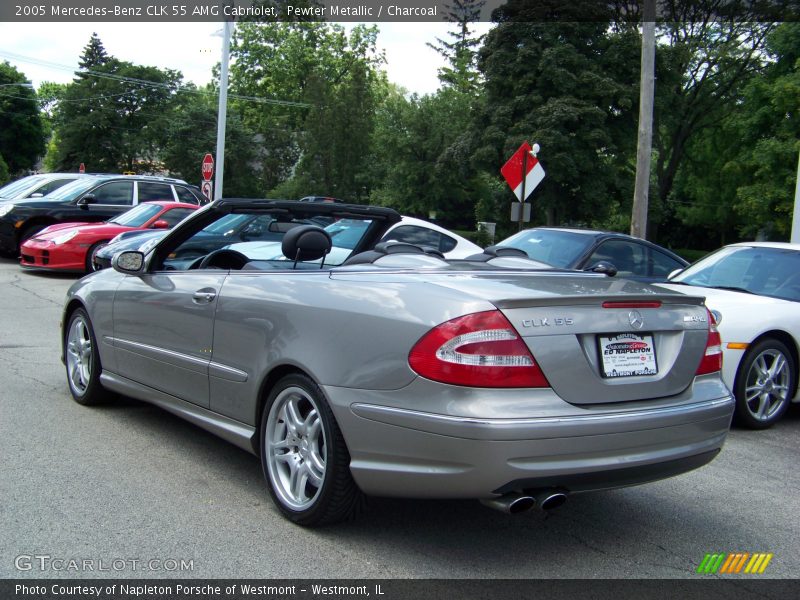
{"x":128,"y":482}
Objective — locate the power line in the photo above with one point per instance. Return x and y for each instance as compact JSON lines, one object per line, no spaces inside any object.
{"x":146,"y":83}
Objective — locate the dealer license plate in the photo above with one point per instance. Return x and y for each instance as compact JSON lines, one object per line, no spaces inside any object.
{"x":627,"y":355}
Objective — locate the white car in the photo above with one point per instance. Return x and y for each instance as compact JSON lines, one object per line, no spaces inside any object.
{"x":753,"y":289}
{"x":346,"y":232}
{"x":423,"y":233}
{"x":36,"y":186}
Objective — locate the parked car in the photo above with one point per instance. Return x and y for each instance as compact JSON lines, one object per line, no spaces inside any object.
{"x":754,"y":289}
{"x":72,"y":246}
{"x":424,"y":233}
{"x":382,"y":377}
{"x":36,"y":186}
{"x":132,"y":240}
{"x":584,"y":249}
{"x":92,"y":198}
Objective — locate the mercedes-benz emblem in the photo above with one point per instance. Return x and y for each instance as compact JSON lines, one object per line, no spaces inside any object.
{"x":636,"y":319}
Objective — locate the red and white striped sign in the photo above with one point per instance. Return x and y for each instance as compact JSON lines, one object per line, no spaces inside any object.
{"x":512,"y":171}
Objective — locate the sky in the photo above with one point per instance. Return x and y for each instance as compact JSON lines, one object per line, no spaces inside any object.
{"x":50,"y":51}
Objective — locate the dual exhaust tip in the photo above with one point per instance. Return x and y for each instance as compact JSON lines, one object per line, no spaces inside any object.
{"x":515,"y":503}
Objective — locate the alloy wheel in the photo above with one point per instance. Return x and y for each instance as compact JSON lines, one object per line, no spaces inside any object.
{"x":79,"y":356}
{"x":296,"y":454}
{"x":767,"y":384}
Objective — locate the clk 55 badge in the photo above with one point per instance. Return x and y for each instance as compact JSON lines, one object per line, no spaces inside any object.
{"x":548,"y":321}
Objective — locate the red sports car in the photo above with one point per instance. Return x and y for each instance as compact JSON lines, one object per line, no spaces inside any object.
{"x":71,"y":246}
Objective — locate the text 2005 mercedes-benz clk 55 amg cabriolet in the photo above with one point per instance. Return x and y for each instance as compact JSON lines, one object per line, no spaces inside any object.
{"x":354,"y":368}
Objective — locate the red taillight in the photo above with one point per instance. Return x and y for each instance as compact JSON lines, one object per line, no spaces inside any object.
{"x":712,"y":359}
{"x":477,"y":350}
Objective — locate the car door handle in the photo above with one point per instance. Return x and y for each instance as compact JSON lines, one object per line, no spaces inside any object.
{"x":204,"y":296}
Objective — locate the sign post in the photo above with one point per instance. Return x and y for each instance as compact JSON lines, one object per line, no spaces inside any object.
{"x":207,"y":170}
{"x":523,"y":172}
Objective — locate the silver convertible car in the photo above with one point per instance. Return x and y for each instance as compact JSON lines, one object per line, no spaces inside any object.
{"x":354,"y":368}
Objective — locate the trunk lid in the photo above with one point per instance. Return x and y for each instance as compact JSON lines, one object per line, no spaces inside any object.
{"x":597,"y":339}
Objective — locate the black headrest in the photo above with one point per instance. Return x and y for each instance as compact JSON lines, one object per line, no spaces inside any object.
{"x":306,"y":242}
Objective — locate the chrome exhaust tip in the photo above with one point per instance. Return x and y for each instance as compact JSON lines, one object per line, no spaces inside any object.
{"x":512,"y":504}
{"x":550,"y":499}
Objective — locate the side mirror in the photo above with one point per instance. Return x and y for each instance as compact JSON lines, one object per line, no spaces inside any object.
{"x":86,"y":200}
{"x":129,"y":262}
{"x":604,"y":267}
{"x":160,"y":224}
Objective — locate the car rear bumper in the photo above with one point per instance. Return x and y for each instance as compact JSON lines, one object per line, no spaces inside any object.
{"x":416,"y":453}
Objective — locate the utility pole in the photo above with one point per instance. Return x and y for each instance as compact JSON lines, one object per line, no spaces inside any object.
{"x":222,"y":111}
{"x":645,"y":141}
{"x":795,"y":239}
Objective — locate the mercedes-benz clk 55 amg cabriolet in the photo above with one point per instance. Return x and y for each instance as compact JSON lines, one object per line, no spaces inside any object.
{"x":388,"y":370}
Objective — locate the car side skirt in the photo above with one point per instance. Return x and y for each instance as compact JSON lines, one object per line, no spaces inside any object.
{"x":235,"y":432}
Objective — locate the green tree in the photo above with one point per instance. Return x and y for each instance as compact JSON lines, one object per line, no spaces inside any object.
{"x":114,"y":115}
{"x":771,"y":126}
{"x":192,"y":132}
{"x":739,"y":177}
{"x":702,"y":68}
{"x":308,"y":89}
{"x":571,"y":87}
{"x":3,"y":171}
{"x":417,"y":162}
{"x":22,"y":134}
{"x":460,"y":52}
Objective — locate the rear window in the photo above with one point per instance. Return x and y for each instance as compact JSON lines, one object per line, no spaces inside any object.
{"x":186,"y":195}
{"x":557,"y":248}
{"x":422,"y":236}
{"x":138,"y":216}
{"x":149,"y":192}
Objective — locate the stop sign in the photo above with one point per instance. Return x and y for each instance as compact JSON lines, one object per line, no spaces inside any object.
{"x":208,"y":167}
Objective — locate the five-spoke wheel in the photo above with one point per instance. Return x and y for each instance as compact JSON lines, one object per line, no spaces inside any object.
{"x":82,"y":360}
{"x":305,"y":459}
{"x":764,"y":384}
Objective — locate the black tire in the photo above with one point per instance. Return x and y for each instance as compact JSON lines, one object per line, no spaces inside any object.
{"x":83,"y":361}
{"x":293,"y":450}
{"x":90,"y":255}
{"x":765,"y":384}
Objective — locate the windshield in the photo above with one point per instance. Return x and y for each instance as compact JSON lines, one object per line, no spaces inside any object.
{"x":554,"y":247}
{"x":257,"y":236}
{"x":74,"y":190}
{"x":759,"y":270}
{"x":228,"y":224}
{"x":347,"y":232}
{"x":138,"y":216}
{"x":15,"y":187}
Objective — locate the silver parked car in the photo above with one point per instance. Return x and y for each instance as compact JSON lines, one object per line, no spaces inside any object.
{"x":388,"y":370}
